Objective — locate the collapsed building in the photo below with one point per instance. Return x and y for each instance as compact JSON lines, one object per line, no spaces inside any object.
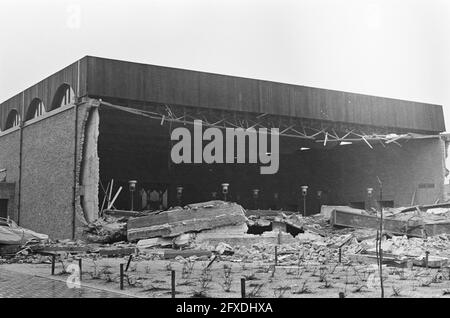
{"x":99,"y":122}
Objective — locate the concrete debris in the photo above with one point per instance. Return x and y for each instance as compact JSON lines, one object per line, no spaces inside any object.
{"x":154,"y":242}
{"x":192,"y":218}
{"x":222,"y":230}
{"x":411,"y":223}
{"x":272,"y":237}
{"x":106,"y":230}
{"x":326,"y":210}
{"x":224,"y":249}
{"x":12,"y":234}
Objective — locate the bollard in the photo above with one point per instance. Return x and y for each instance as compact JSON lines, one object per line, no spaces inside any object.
{"x":173,"y":284}
{"x":426,"y":258}
{"x":81,"y":268}
{"x":53,"y":264}
{"x":243,"y":287}
{"x":276,"y":255}
{"x":121,"y":276}
{"x":340,"y":255}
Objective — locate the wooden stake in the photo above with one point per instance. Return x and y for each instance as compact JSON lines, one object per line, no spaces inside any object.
{"x":110,"y":191}
{"x":173,"y":284}
{"x":276,"y":255}
{"x":121,"y":276}
{"x":80,"y":264}
{"x":114,"y":199}
{"x":243,"y":287}
{"x":128,"y":263}
{"x":53,"y":264}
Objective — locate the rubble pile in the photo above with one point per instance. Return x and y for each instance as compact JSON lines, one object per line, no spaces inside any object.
{"x":107,"y":229}
{"x":192,"y":218}
{"x":205,"y":230}
{"x":413,"y":247}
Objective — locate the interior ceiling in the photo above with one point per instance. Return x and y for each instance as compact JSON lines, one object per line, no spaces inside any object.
{"x":126,"y":128}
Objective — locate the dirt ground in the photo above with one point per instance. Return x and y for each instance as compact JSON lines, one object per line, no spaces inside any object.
{"x":152,"y":278}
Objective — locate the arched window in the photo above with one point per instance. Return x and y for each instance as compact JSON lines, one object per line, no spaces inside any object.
{"x":35,"y":109}
{"x":64,"y":96}
{"x":13,"y":119}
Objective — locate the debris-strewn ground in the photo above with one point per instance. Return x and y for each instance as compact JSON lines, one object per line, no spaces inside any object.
{"x":289,"y":256}
{"x":308,"y":278}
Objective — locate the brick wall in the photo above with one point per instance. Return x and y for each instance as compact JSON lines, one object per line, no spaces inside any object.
{"x":47,"y":172}
{"x":9,"y":159}
{"x":47,"y":175}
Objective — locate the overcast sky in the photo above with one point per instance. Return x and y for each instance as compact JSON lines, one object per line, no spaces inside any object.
{"x":390,"y":48}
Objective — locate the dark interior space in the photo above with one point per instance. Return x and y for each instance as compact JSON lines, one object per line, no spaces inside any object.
{"x":133,"y":147}
{"x":3,"y":208}
{"x":258,"y":230}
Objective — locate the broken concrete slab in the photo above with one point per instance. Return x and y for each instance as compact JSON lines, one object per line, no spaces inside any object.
{"x":267,"y":213}
{"x":272,"y":237}
{"x":171,"y":254}
{"x":194,"y":218}
{"x":67,"y":249}
{"x":154,"y":242}
{"x":325,"y":210}
{"x":387,"y":260}
{"x":229,"y":229}
{"x":412,"y":226}
{"x":433,"y":261}
{"x":12,"y":234}
{"x":354,"y":220}
{"x":123,"y":213}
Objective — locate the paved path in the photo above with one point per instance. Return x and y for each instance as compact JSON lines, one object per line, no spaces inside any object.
{"x":19,"y":285}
